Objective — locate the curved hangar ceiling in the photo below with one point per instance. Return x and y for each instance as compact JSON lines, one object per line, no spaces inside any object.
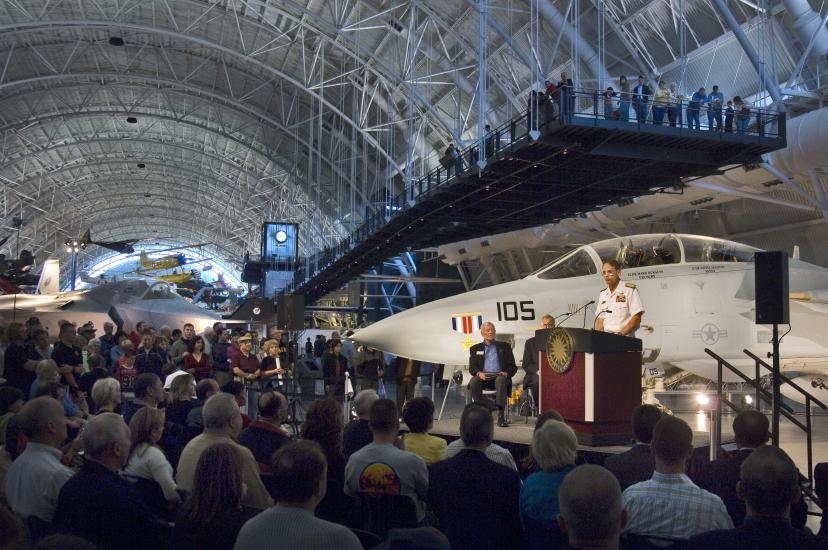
{"x":195,"y":120}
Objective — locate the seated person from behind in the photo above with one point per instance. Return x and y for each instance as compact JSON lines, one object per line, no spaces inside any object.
{"x":195,"y":418}
{"x":476,"y":499}
{"x":592,"y":514}
{"x":492,"y":366}
{"x":212,"y":515}
{"x":769,"y":485}
{"x":669,"y":506}
{"x":97,"y":504}
{"x":554,"y":450}
{"x":418,"y":415}
{"x":358,"y":431}
{"x":299,"y":485}
{"x":381,"y":468}
{"x":222,"y":424}
{"x":36,"y":477}
{"x":751,"y":430}
{"x":265,"y":435}
{"x":636,"y":464}
{"x":146,"y":459}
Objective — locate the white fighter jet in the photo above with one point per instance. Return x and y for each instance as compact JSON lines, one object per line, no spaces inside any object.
{"x":123,"y":303}
{"x":698,"y":292}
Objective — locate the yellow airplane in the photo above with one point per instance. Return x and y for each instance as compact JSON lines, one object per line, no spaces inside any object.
{"x":166,"y":262}
{"x":176,"y":278}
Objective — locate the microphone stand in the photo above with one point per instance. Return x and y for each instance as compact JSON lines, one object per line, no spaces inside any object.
{"x":586,"y":305}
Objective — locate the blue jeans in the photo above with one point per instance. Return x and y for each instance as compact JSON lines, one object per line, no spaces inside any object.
{"x":624,"y":108}
{"x":741,"y":125}
{"x":693,"y":119}
{"x":658,"y":114}
{"x":641,"y":112}
{"x":714,"y":119}
{"x":608,"y":112}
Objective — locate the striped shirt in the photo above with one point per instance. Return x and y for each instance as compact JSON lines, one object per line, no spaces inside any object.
{"x":671,"y":506}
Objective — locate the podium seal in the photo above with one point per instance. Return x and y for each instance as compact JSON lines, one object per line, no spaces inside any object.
{"x":560,"y":346}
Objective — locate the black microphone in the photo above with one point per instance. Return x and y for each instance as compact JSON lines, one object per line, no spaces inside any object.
{"x":595,"y":322}
{"x":576,"y":311}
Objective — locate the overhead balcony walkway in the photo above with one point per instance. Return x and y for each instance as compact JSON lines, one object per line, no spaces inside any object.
{"x":549,"y":164}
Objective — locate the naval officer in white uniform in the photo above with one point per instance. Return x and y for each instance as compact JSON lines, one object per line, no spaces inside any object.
{"x":619,"y":305}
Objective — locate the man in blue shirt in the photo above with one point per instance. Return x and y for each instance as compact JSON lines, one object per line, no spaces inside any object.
{"x":714,"y":101}
{"x":492,"y":365}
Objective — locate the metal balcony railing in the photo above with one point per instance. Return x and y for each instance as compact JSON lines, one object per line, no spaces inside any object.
{"x":569,"y":107}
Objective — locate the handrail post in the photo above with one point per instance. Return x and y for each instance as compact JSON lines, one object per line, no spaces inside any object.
{"x":716,"y":429}
{"x":595,"y":104}
{"x":809,"y":440}
{"x":757,"y":388}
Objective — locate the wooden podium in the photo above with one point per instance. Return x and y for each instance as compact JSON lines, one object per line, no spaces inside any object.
{"x":598,"y":388}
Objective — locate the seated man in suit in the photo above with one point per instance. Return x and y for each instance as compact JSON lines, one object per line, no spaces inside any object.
{"x":530,"y":360}
{"x":492,"y":365}
{"x":769,"y":486}
{"x":637,"y":464}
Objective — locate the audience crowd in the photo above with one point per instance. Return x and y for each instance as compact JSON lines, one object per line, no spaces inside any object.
{"x":170,"y":439}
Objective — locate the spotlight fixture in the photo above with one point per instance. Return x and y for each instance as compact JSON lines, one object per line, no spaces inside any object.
{"x":131,"y":120}
{"x":141,"y":165}
{"x":702,"y":399}
{"x":116,"y":41}
{"x":73,"y":245}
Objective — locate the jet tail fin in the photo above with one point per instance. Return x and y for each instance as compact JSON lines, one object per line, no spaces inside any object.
{"x":49,"y":282}
{"x":87,"y":237}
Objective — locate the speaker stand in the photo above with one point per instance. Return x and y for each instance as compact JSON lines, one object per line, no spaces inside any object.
{"x":775,"y":382}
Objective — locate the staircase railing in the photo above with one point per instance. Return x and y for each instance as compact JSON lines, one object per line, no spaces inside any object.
{"x":763,"y":394}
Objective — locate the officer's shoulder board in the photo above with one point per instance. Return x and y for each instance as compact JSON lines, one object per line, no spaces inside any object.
{"x":631,"y":285}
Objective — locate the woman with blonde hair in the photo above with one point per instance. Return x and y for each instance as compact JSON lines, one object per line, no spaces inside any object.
{"x":272,"y":373}
{"x":106,"y":395}
{"x":146,"y":459}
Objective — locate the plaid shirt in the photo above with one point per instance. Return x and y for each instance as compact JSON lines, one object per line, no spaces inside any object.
{"x":673,"y":507}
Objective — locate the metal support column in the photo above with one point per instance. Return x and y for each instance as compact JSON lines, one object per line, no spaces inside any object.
{"x":482,"y":85}
{"x":758,"y":64}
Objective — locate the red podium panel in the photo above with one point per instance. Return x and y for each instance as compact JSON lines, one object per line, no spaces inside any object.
{"x":596,"y":395}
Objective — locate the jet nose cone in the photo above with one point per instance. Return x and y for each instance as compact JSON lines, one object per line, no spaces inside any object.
{"x":380,"y":335}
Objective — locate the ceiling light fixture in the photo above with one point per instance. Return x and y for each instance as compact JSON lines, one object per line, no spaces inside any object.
{"x":116,"y":41}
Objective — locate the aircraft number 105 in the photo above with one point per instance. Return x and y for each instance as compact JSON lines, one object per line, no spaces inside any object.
{"x":512,"y":311}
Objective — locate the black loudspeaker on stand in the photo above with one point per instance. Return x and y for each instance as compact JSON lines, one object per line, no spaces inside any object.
{"x":772,"y":298}
{"x":772,"y":308}
{"x":290,"y":312}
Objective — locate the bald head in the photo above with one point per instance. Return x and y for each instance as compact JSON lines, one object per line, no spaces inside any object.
{"x":768,"y":482}
{"x":43,"y":421}
{"x":273,"y":406}
{"x":591,"y":509}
